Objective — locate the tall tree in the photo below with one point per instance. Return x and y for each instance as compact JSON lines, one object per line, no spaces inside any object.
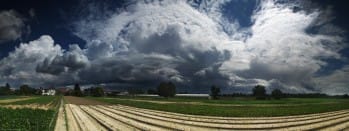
{"x":6,"y":90}
{"x":259,"y":92}
{"x":98,"y":92}
{"x":215,"y":91}
{"x":166,"y":89}
{"x":8,"y":85}
{"x":26,"y":90}
{"x":77,"y":90}
{"x":277,"y":94}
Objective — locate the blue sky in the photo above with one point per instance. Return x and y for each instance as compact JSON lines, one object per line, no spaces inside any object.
{"x":296,"y":46}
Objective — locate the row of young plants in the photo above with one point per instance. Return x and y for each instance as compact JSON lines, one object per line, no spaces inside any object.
{"x":25,"y":119}
{"x":30,"y":119}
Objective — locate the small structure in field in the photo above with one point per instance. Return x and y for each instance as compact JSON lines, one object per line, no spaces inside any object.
{"x":48,"y":92}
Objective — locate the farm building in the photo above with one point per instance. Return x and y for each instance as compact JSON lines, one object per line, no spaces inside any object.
{"x":48,"y":92}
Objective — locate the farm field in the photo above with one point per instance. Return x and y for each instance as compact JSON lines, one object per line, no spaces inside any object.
{"x":237,"y":107}
{"x":29,"y":113}
{"x":111,"y":114}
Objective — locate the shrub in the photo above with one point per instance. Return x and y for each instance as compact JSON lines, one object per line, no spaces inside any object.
{"x":77,"y":90}
{"x":26,"y":90}
{"x":259,"y":92}
{"x":215,"y":92}
{"x":98,"y":92}
{"x":166,"y":89}
{"x":277,"y":94}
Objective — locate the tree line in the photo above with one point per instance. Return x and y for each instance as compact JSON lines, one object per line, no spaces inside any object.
{"x":165,"y":89}
{"x":23,"y":90}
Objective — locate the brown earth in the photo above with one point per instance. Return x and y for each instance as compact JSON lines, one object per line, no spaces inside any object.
{"x":82,"y":101}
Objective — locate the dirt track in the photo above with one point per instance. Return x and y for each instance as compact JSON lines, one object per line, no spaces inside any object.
{"x":61,"y":123}
{"x":82,"y":101}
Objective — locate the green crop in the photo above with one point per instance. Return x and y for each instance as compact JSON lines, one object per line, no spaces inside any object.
{"x":25,"y":119}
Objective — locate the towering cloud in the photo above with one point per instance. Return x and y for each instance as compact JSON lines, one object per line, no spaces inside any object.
{"x":19,"y":66}
{"x":192,"y":44}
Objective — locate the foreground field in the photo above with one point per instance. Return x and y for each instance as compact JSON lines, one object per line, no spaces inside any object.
{"x":119,"y":117}
{"x":88,"y":114}
{"x":28,"y":113}
{"x":92,"y":114}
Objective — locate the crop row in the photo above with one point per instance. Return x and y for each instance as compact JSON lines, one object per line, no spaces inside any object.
{"x":28,"y":118}
{"x":119,"y":117}
{"x":25,"y":119}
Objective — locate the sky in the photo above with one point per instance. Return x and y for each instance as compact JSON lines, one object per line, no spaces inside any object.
{"x":298,"y":46}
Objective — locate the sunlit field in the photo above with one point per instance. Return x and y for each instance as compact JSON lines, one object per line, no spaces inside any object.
{"x":233,"y":107}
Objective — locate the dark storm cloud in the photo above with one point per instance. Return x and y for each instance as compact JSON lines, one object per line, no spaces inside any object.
{"x":194,"y":45}
{"x":128,"y":68}
{"x":12,"y":26}
{"x":71,"y":61}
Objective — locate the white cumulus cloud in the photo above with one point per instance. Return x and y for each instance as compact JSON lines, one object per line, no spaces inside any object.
{"x":191,"y":44}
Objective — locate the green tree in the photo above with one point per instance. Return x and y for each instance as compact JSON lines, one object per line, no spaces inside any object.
{"x":259,"y":92}
{"x":152,"y":91}
{"x":77,"y":90}
{"x":6,"y":90}
{"x":166,"y":89}
{"x":215,"y":91}
{"x":98,"y":92}
{"x":134,"y":91}
{"x":277,"y":94}
{"x":26,"y":90}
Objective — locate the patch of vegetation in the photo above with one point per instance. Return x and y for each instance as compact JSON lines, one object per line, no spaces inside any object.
{"x":9,"y":97}
{"x":259,"y":92}
{"x":215,"y":92}
{"x":5,"y":90}
{"x":166,"y":89}
{"x":277,"y":94}
{"x":77,"y":90}
{"x":25,"y":119}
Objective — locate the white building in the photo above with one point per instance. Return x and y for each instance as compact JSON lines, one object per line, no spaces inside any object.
{"x":49,"y":92}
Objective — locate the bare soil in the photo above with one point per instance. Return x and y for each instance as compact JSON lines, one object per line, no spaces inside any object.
{"x":82,"y":101}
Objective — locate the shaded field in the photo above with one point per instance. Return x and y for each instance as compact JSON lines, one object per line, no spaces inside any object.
{"x":36,"y":113}
{"x":235,"y":108}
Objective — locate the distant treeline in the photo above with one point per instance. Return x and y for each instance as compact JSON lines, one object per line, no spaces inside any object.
{"x":23,"y":90}
{"x":164,"y":89}
{"x":288,"y":95}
